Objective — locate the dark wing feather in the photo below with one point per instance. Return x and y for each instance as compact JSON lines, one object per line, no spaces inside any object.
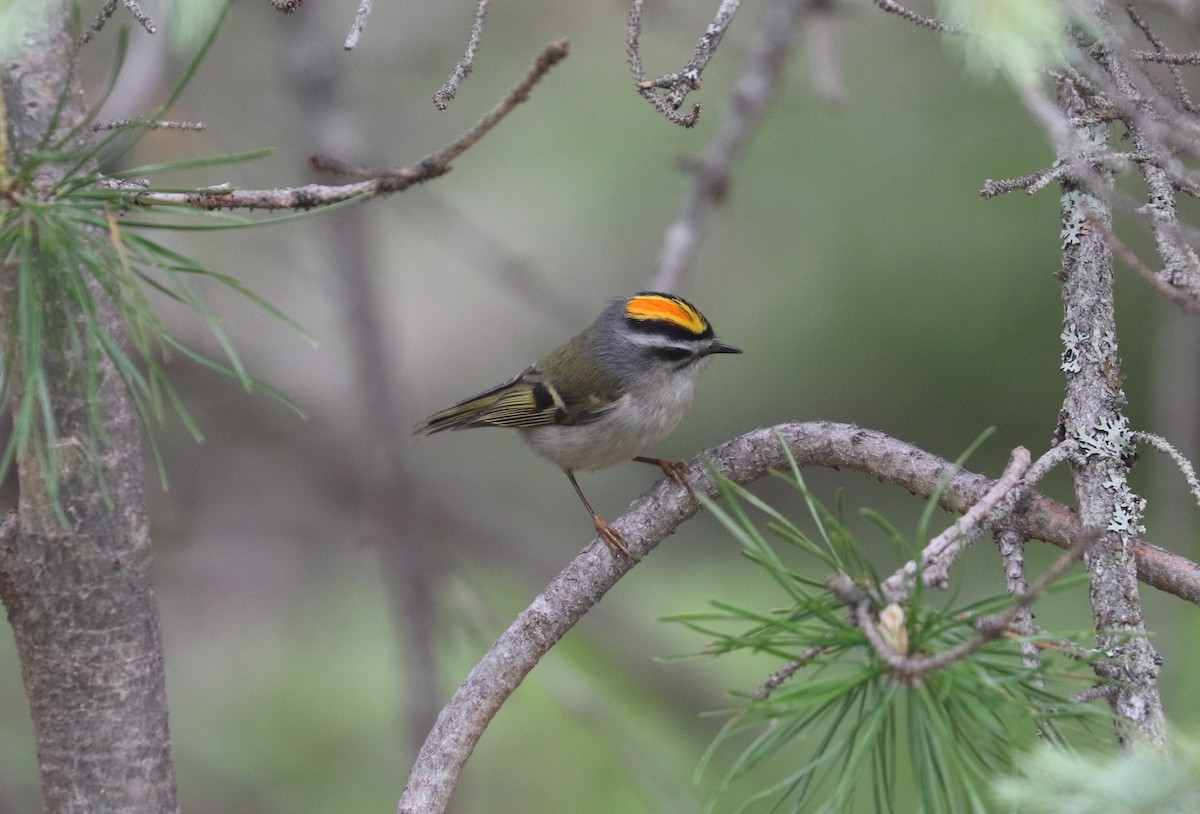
{"x":528,"y":400}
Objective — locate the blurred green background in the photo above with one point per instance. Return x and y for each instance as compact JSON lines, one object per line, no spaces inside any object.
{"x":854,"y":262}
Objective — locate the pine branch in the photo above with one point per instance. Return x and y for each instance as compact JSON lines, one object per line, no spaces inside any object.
{"x":660,"y":511}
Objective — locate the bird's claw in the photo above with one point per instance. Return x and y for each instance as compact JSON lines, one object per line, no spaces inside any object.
{"x":677,"y":471}
{"x":611,"y":536}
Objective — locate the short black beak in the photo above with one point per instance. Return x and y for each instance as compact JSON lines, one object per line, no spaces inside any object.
{"x":718,"y":346}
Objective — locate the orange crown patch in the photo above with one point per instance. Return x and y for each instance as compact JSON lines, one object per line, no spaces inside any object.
{"x":668,"y":309}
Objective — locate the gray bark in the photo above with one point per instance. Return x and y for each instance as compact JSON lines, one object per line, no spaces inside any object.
{"x":78,"y":594}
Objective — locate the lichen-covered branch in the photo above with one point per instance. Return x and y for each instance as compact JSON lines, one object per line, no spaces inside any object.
{"x":1092,"y":415}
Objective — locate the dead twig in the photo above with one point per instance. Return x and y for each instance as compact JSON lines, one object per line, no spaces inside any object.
{"x":679,"y":84}
{"x":463,"y":68}
{"x":375,"y":182}
{"x":752,"y":96}
{"x":358,"y":24}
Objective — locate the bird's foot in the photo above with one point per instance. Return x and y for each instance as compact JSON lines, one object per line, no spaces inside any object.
{"x":611,"y":536}
{"x":675,"y":470}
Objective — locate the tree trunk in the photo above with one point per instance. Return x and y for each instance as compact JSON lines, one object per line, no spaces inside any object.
{"x":76,"y":582}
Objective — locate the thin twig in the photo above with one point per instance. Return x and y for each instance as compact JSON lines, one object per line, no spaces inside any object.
{"x":1075,"y":154}
{"x":1185,"y":99}
{"x":1042,"y":466}
{"x":1012,"y":554}
{"x":913,"y":669}
{"x":751,"y":97}
{"x":1144,"y":123}
{"x":1166,"y":447}
{"x":463,"y":68}
{"x":942,"y":551}
{"x":359,"y":23}
{"x":376,"y":182}
{"x":543,"y":293}
{"x":105,"y":14}
{"x":776,"y":679}
{"x":149,"y":124}
{"x":142,"y":17}
{"x":1032,"y":183}
{"x":1183,"y":298}
{"x":822,"y":25}
{"x":679,"y":84}
{"x":1167,"y":57}
{"x":923,"y":20}
{"x":1099,"y":692}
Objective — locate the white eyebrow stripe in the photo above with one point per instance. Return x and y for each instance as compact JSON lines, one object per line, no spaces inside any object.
{"x":652,"y":340}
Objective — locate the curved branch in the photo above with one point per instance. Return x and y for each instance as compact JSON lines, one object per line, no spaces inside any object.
{"x":657,"y":513}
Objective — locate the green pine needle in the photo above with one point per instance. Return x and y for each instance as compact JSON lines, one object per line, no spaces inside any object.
{"x":843,"y":734}
{"x":74,"y":244}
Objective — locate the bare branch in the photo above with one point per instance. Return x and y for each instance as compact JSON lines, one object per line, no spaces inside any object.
{"x":943,"y":550}
{"x":1184,"y":299}
{"x":142,"y":17}
{"x":376,"y":182}
{"x":913,"y":669}
{"x":106,"y":12}
{"x":359,"y":23}
{"x":1166,"y":57}
{"x":660,"y":511}
{"x":463,"y":68}
{"x":821,"y":29}
{"x":1185,"y":98}
{"x":149,"y":124}
{"x":1167,"y":448}
{"x":1032,"y":183}
{"x":751,"y":97}
{"x":923,"y":20}
{"x":1182,"y":264}
{"x":776,"y":679}
{"x":679,"y":84}
{"x":1012,"y":553}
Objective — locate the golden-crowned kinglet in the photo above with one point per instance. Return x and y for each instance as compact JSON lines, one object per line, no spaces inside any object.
{"x":611,"y":392}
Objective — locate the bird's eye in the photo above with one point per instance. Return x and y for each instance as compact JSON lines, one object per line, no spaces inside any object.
{"x":673,"y":354}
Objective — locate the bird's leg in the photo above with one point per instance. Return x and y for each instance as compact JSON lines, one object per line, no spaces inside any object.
{"x":612,"y":536}
{"x":675,"y":470}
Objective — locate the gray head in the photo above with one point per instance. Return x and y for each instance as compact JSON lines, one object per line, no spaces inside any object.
{"x":654,"y":334}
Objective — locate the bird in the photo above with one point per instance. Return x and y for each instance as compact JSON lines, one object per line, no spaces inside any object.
{"x":606,"y":395}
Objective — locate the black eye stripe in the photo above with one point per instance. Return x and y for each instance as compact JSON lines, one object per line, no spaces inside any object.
{"x":673,"y":354}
